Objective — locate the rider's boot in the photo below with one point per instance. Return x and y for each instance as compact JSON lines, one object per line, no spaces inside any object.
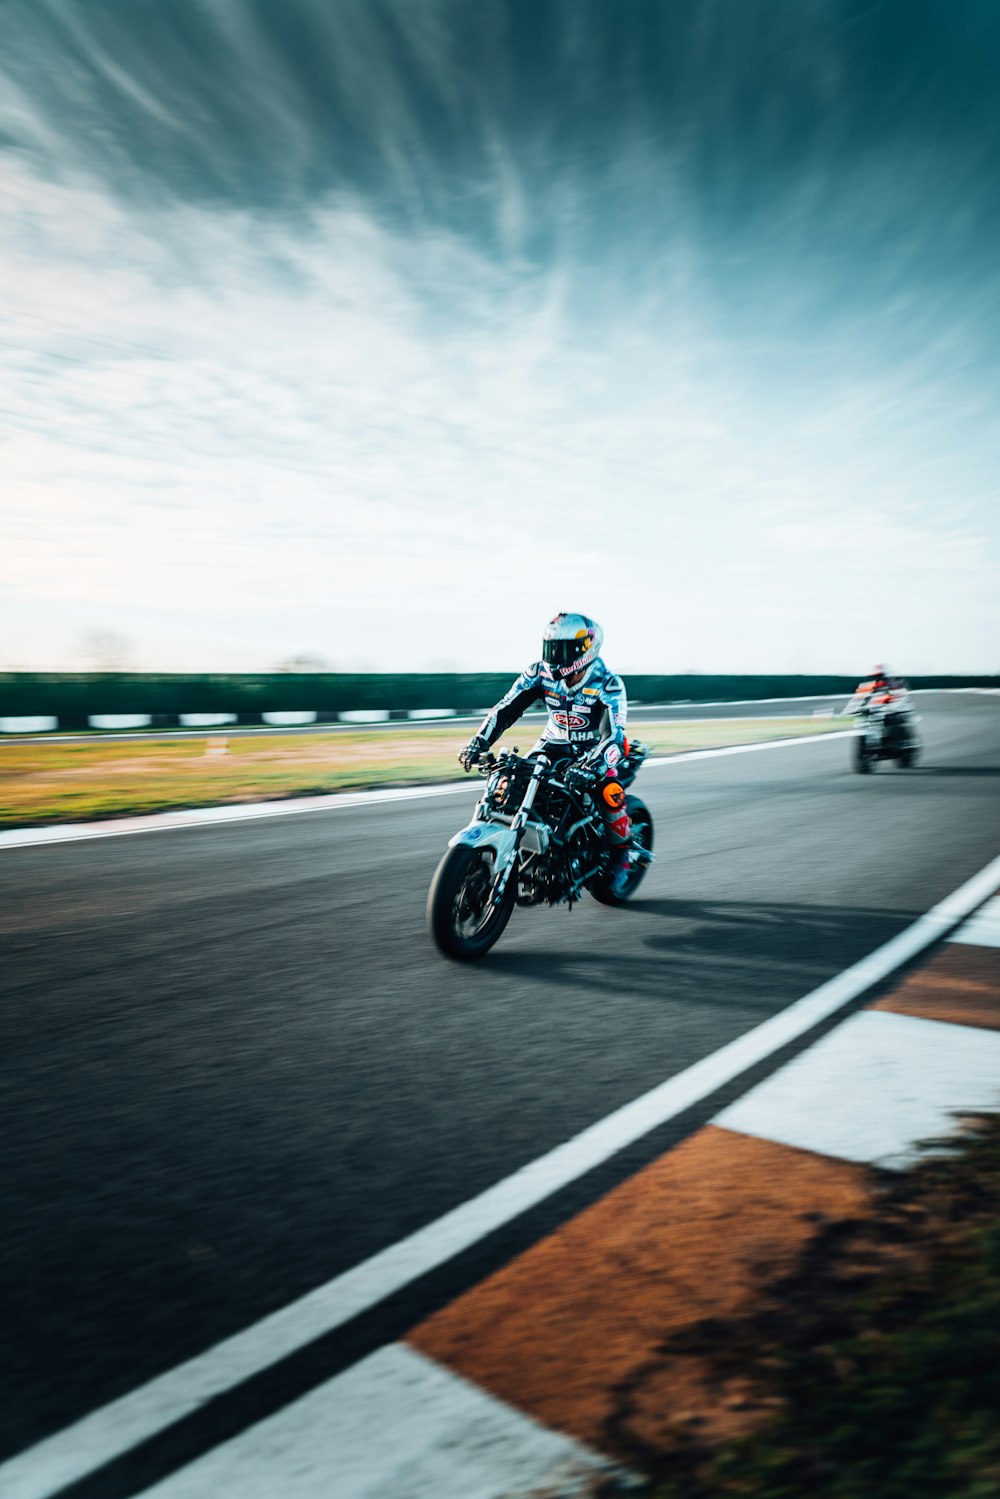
{"x":621,"y":869}
{"x":616,"y":832}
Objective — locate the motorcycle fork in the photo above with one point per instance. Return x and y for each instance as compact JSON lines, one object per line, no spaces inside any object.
{"x":517,"y":826}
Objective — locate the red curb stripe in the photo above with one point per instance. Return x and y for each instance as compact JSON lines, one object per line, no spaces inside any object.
{"x":565,"y":1328}
{"x":961,"y":984}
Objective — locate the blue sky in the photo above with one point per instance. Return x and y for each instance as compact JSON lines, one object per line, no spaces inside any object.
{"x":382,"y":331}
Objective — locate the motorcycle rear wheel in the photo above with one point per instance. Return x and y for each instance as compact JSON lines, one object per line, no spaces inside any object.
{"x":641,"y":820}
{"x":463,"y":925}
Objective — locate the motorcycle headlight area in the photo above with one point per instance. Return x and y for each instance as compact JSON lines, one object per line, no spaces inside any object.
{"x":507,"y":792}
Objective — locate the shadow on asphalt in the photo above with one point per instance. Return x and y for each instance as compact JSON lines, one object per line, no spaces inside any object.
{"x":953,"y":770}
{"x":764,"y":929}
{"x":765,"y":949}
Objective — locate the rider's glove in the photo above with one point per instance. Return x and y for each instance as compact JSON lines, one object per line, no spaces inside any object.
{"x":580,"y":777}
{"x":473,"y":752}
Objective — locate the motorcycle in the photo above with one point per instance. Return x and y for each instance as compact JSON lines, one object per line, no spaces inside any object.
{"x":885,"y":734}
{"x":536,"y":837}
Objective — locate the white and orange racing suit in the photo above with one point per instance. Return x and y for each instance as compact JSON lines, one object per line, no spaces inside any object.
{"x":888,"y":692}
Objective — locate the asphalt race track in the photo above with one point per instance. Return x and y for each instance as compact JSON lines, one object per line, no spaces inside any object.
{"x":234,"y":1066}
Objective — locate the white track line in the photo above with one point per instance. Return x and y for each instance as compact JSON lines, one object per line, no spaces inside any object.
{"x":748,"y":749}
{"x":984,"y":928}
{"x":99,"y":1438}
{"x":196,"y":817}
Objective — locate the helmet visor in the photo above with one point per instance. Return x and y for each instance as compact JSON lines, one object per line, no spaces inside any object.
{"x":565,"y":652}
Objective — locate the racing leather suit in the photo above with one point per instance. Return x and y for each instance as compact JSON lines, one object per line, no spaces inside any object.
{"x":586,"y":720}
{"x":891,"y":692}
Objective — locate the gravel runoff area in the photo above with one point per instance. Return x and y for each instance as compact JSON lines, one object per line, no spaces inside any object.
{"x":42,"y":783}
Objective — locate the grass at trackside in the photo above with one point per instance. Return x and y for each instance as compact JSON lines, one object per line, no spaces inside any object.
{"x":51,"y":782}
{"x":877,"y":1364}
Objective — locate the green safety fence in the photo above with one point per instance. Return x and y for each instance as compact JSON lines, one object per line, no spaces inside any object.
{"x":73,"y":697}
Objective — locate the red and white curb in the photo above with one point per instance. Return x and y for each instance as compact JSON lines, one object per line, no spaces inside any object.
{"x":588,"y":1313}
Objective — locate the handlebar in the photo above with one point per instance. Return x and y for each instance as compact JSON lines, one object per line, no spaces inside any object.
{"x":557,"y":771}
{"x":488,"y":763}
{"x":572,"y":778}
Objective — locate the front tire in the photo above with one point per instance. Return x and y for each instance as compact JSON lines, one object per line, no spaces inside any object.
{"x":463,"y":922}
{"x":864,"y":759}
{"x":641,"y":820}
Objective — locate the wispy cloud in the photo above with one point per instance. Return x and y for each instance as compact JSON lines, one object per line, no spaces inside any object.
{"x":316,"y":319}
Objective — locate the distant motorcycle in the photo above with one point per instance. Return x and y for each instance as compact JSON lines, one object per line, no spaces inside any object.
{"x":536,"y":837}
{"x":885,"y":733}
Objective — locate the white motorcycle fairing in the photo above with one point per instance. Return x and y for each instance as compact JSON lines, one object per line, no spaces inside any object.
{"x":495,"y":836}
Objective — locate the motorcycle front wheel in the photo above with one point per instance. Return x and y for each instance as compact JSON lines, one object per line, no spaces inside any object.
{"x":864,"y":759}
{"x":464,"y":921}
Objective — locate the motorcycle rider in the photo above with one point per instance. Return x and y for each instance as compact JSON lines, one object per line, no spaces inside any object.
{"x":587,"y":710}
{"x":882,"y":688}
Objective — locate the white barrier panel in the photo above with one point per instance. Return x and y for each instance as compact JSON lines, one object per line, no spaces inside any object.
{"x":119,"y":720}
{"x":288,"y":719}
{"x":205,"y":720}
{"x":365,"y":715}
{"x":39,"y":724}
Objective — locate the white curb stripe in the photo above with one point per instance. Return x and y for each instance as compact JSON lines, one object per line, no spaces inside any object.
{"x":873,"y":1088}
{"x":104,"y":1435}
{"x":395,"y":1424}
{"x":162,"y":822}
{"x":984,"y":928}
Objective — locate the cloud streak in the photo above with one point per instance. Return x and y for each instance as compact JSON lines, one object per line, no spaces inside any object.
{"x":314,"y":315}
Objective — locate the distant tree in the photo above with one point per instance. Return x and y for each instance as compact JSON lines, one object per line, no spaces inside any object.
{"x":106,"y":650}
{"x":303,"y":661}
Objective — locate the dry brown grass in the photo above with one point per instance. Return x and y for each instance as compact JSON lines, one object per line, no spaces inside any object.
{"x":58,"y":782}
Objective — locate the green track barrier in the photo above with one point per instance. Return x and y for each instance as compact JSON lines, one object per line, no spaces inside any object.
{"x":72,"y":697}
